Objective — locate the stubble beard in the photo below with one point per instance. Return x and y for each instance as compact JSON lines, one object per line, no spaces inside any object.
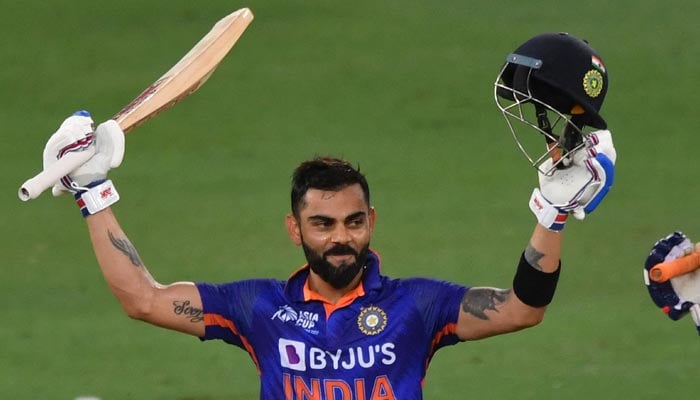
{"x":337,"y":276}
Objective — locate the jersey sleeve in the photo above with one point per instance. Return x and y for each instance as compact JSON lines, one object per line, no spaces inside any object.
{"x":229,"y":308}
{"x":439,"y":303}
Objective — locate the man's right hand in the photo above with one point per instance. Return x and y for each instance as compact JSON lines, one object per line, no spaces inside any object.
{"x":89,"y":181}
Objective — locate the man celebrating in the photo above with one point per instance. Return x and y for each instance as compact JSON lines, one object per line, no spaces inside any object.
{"x":337,"y":328}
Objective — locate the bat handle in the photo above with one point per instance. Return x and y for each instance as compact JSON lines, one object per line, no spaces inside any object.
{"x":664,"y":271}
{"x":32,"y":188}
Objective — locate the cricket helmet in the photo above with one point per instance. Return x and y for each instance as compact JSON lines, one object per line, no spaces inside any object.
{"x":553,"y":73}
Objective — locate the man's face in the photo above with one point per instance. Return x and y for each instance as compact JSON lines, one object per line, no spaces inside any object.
{"x":334,"y":228}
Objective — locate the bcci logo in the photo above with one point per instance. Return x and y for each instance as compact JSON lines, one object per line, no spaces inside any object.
{"x":593,"y":83}
{"x":371,"y":320}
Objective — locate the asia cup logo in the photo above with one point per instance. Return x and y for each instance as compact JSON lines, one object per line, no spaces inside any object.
{"x":285,"y":313}
{"x":306,"y":320}
{"x":372,"y":320}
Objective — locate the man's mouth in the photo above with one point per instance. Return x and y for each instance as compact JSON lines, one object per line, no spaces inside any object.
{"x":339,"y":259}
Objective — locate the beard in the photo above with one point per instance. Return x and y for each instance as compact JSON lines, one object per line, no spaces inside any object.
{"x":336,"y":276}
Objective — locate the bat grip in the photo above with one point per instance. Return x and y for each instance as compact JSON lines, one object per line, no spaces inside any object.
{"x":32,"y":188}
{"x":664,"y":271}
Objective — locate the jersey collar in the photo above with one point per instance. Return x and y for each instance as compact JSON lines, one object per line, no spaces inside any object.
{"x":297,"y":288}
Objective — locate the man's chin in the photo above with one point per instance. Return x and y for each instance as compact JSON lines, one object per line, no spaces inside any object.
{"x":337,"y":276}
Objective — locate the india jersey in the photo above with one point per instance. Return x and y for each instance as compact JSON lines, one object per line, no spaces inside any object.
{"x":374,"y":344}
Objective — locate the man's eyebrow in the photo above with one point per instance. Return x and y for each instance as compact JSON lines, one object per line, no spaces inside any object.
{"x":355,"y":215}
{"x":323,"y":218}
{"x":319,"y":218}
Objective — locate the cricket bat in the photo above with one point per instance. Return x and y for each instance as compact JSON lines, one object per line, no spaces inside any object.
{"x":184,"y":78}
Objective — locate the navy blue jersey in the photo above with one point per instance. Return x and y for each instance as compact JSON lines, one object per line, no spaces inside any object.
{"x":375,"y":343}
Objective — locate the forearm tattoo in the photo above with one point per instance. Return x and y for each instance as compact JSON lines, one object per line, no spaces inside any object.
{"x":477,"y":300}
{"x":184,"y":308}
{"x":127,"y":248}
{"x":533,"y":257}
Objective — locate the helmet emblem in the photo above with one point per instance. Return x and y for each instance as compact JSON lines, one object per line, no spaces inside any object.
{"x":593,"y":83}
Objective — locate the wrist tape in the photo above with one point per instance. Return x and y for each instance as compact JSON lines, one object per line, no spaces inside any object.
{"x":97,"y":196}
{"x":549,"y":216}
{"x":534,"y":287}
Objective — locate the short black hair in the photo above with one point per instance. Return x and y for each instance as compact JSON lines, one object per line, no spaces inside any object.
{"x":324,"y":173}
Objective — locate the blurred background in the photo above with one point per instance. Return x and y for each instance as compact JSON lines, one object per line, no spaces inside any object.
{"x":405,"y":90}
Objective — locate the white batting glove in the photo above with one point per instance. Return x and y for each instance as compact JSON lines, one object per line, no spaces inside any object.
{"x":88,"y":182}
{"x":579,"y":188}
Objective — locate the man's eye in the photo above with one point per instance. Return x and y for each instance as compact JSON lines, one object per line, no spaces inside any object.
{"x":356,"y":222}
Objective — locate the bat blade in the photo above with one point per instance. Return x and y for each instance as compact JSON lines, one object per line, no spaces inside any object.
{"x":189,"y":74}
{"x":184,"y":78}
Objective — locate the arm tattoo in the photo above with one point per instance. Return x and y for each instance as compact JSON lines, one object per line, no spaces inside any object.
{"x":127,"y":248}
{"x":533,"y":257}
{"x":478,"y":300}
{"x":185,"y":308}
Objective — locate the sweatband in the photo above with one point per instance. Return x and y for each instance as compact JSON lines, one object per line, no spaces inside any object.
{"x":98,"y":196}
{"x":534,"y":287}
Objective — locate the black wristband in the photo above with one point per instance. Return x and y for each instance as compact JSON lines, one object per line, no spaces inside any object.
{"x":533,"y":287}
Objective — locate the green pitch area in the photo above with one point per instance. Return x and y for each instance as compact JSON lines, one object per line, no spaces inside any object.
{"x":404,"y":88}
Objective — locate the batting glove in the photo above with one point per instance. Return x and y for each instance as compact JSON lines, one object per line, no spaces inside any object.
{"x":579,"y":188}
{"x":89,"y":183}
{"x":678,"y":296}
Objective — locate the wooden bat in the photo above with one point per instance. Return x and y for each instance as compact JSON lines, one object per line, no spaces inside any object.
{"x":185,"y":77}
{"x":664,"y":271}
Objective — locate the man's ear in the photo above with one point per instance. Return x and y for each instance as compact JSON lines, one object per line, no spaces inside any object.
{"x":293,"y":229}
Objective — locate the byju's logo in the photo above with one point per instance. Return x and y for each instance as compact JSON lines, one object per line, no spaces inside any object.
{"x":292,"y":354}
{"x":298,"y":356}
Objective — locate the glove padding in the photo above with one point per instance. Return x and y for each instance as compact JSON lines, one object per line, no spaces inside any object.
{"x":579,"y":188}
{"x":680,"y":295}
{"x":76,"y":133}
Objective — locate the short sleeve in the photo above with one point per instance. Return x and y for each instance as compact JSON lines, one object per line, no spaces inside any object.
{"x":229,"y":308}
{"x":439,"y":303}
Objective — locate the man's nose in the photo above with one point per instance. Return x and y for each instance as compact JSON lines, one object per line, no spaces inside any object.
{"x":340,"y":234}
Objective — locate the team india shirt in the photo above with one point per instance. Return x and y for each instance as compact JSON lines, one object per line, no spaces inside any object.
{"x":374,"y":344}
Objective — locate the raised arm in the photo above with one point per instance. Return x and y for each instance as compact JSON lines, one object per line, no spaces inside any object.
{"x":177,"y":306}
{"x":577,"y":190}
{"x":488,"y":311}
